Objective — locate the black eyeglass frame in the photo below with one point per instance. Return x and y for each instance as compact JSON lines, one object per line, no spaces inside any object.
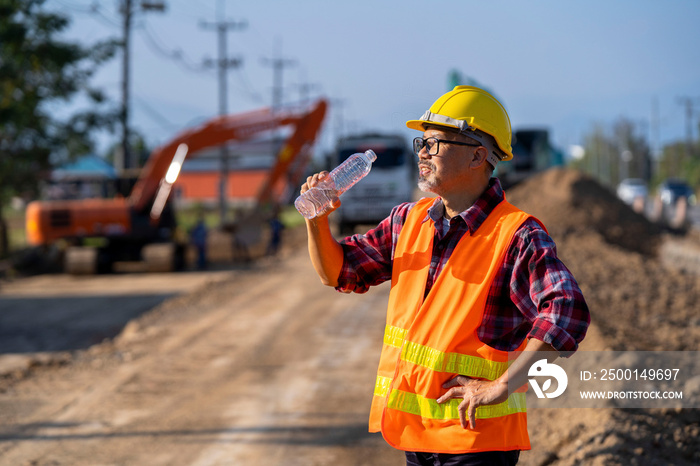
{"x":436,"y":146}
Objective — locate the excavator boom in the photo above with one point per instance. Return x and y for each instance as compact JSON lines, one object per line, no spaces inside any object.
{"x":239,"y":127}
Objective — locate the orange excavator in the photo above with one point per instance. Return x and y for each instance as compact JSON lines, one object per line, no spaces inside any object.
{"x":141,"y":227}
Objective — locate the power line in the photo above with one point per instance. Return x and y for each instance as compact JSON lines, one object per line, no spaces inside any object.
{"x":193,"y":7}
{"x":78,"y":8}
{"x":177,"y":55}
{"x":156,"y":116}
{"x":247,"y":86}
{"x":305,"y":88}
{"x":155,"y":45}
{"x":94,"y":9}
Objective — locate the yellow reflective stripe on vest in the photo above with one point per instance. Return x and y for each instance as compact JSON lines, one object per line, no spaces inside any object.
{"x":439,"y":361}
{"x":381,"y":386}
{"x":394,"y":336}
{"x":430,"y":409}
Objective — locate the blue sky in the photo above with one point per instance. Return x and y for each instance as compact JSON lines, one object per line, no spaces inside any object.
{"x":560,"y":64}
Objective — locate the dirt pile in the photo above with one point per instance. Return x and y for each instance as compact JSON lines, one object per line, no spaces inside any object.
{"x":568,"y":201}
{"x":637,"y":301}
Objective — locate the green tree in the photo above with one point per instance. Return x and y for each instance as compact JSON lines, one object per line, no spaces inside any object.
{"x":675,"y":162}
{"x":616,"y":152}
{"x":39,"y":71}
{"x":138,"y":145}
{"x":634,"y":154}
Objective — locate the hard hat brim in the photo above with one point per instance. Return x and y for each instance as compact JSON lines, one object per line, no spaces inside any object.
{"x":419,"y":125}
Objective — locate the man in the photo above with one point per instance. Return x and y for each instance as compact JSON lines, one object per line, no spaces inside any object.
{"x":198,"y":237}
{"x":478,"y":293}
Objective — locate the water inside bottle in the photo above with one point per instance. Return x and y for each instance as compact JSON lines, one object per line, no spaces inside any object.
{"x":315,"y":200}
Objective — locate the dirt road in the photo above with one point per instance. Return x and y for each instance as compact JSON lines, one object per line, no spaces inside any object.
{"x":263,"y":367}
{"x":56,"y":312}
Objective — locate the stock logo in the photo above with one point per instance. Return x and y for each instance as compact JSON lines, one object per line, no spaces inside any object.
{"x":544,"y":369}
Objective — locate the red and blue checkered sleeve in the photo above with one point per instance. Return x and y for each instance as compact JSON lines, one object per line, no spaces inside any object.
{"x":546,"y":292}
{"x":368,"y":257}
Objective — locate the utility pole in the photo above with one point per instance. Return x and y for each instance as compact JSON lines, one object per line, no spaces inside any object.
{"x":123,"y":161}
{"x":223,"y":64}
{"x":654,"y":128}
{"x":688,"y":102}
{"x":278,"y":64}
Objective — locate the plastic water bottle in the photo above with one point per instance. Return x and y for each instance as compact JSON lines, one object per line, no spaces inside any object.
{"x":342,"y":178}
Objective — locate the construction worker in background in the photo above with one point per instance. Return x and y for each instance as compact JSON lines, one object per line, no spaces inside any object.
{"x":276,"y":229}
{"x":198,"y":237}
{"x":478,"y":293}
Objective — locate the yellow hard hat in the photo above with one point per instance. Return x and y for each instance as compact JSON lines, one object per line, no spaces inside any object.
{"x":471,"y":110}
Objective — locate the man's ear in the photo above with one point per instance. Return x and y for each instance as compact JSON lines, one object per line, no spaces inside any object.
{"x":479,"y":157}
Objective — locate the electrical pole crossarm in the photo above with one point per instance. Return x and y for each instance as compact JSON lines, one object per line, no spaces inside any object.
{"x":153,"y":6}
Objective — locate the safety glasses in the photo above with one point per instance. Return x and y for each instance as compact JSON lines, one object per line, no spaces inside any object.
{"x":432,"y":145}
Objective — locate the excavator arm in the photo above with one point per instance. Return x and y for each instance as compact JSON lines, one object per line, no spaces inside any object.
{"x":220,"y":130}
{"x":298,"y":145}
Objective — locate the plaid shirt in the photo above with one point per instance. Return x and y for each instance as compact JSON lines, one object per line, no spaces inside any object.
{"x":533,"y":294}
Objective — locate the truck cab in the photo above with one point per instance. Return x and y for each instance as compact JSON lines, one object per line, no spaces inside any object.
{"x":391,"y":181}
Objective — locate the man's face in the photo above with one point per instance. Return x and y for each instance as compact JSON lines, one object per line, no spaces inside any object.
{"x":448,"y":170}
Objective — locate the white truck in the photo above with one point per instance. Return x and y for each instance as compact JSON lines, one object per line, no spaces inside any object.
{"x":391,"y":181}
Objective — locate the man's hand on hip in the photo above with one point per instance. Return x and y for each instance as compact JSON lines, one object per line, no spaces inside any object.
{"x":474,"y":393}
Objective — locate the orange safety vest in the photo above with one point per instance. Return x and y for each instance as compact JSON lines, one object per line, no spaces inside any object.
{"x":429,"y":341}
